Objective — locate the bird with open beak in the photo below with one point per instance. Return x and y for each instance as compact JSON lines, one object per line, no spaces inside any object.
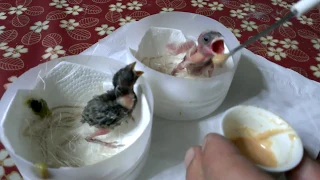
{"x":197,"y":60}
{"x":110,"y":109}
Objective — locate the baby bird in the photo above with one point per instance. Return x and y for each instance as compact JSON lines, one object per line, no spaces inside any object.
{"x":197,"y":61}
{"x":110,"y":109}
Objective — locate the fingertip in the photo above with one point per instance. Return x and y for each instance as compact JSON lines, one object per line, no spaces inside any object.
{"x":193,"y":163}
{"x":308,"y":167}
{"x":189,"y":157}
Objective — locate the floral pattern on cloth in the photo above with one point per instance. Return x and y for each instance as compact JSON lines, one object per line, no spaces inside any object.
{"x":37,"y":31}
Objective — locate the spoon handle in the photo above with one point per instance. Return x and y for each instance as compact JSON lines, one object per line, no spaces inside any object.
{"x":297,"y":9}
{"x":263,"y":33}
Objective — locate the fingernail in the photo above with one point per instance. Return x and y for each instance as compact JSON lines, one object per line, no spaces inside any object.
{"x":204,"y":142}
{"x":189,"y":157}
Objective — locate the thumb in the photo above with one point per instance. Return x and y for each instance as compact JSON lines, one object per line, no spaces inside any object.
{"x":193,"y":163}
{"x":307,"y":169}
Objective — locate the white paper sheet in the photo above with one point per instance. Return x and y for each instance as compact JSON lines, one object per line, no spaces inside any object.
{"x":256,"y":82}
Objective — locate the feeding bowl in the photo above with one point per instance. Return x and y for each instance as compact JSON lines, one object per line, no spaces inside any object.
{"x":72,"y":81}
{"x":178,"y":98}
{"x":276,"y":148}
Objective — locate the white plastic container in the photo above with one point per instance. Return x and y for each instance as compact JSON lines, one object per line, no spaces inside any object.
{"x":125,"y":164}
{"x":179,"y":98}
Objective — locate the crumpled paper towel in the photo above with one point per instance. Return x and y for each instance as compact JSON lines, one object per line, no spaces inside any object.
{"x":256,"y":82}
{"x":73,"y":83}
{"x":153,"y":53}
{"x":154,"y":42}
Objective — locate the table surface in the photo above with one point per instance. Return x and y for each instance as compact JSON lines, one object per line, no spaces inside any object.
{"x":36,"y":31}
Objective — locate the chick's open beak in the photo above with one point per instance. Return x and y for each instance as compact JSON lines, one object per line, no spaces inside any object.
{"x":132,"y":66}
{"x":139,"y":73}
{"x":217,"y":46}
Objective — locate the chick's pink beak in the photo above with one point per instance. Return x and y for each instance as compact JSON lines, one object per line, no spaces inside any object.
{"x":139,"y":73}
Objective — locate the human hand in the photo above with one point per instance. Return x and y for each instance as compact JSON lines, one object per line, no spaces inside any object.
{"x":220,"y":159}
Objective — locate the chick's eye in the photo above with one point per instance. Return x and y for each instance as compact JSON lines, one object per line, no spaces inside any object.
{"x":206,"y":38}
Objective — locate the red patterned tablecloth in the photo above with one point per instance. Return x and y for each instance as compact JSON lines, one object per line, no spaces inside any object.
{"x":36,"y":31}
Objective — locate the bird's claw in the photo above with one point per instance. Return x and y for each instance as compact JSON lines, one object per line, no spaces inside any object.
{"x":112,"y":144}
{"x":173,"y":72}
{"x":108,"y":144}
{"x":171,"y":49}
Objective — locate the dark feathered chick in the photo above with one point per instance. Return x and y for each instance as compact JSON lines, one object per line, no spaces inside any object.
{"x":110,"y":109}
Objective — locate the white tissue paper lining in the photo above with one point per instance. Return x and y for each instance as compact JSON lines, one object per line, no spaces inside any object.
{"x":257,"y":81}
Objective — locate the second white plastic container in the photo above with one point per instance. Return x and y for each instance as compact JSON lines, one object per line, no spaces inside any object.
{"x":179,"y":98}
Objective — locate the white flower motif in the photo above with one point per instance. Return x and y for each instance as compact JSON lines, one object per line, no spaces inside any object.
{"x":269,"y":40}
{"x":59,"y":3}
{"x":249,"y":26}
{"x":53,"y":53}
{"x":117,"y":7}
{"x":15,"y":52}
{"x":74,"y":11}
{"x":3,"y":45}
{"x":70,"y":24}
{"x":248,"y":7}
{"x":316,"y":70}
{"x":236,"y":32}
{"x":1,"y":29}
{"x":104,"y":29}
{"x":238,"y":13}
{"x":216,"y":6}
{"x":276,"y":53}
{"x":11,"y":80}
{"x":316,"y":43}
{"x":134,"y":5}
{"x":18,"y":10}
{"x":198,"y":3}
{"x":126,"y":20}
{"x":5,"y":160}
{"x":287,"y":6}
{"x":285,"y":24}
{"x":39,"y":26}
{"x":166,"y":10}
{"x":2,"y":16}
{"x":305,"y":20}
{"x":288,"y":43}
{"x":14,"y":176}
{"x":318,"y":58}
{"x":279,"y":2}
